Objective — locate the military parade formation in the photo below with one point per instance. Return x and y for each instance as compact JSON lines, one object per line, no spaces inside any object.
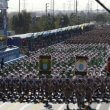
{"x":48,"y":75}
{"x":68,"y":65}
{"x":80,"y":90}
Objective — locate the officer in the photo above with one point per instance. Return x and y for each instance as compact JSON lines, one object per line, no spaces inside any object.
{"x":34,"y":85}
{"x":19,"y":88}
{"x":2,"y":63}
{"x":80,"y":93}
{"x":3,"y":87}
{"x":11,"y":83}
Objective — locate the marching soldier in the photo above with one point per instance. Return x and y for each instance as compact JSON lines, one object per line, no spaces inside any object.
{"x":2,"y":63}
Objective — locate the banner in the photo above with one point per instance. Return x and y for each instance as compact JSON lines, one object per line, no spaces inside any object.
{"x":81,"y":65}
{"x":108,"y":66}
{"x":45,"y":65}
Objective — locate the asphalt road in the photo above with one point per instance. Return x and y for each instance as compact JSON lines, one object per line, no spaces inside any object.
{"x":25,"y":106}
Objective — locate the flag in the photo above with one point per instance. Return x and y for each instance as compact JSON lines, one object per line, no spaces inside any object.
{"x":81,"y":65}
{"x":45,"y":64}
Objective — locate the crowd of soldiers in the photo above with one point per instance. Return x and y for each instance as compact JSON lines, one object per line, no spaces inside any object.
{"x":79,"y":89}
{"x":63,"y":59}
{"x":20,"y":81}
{"x":95,"y":36}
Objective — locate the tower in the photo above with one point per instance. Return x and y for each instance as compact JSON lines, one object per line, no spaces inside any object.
{"x":24,"y":4}
{"x":69,"y":5}
{"x":88,"y":7}
{"x":64,"y":7}
{"x":52,"y":7}
{"x":97,"y":8}
{"x":91,"y":6}
{"x":6,"y":53}
{"x":3,"y":8}
{"x":76,"y":7}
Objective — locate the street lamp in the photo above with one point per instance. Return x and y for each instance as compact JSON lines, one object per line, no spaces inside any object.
{"x":47,"y":7}
{"x":76,"y":7}
{"x":53,"y":7}
{"x":19,"y":6}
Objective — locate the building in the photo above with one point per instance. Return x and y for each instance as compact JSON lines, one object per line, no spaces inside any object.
{"x":11,"y":53}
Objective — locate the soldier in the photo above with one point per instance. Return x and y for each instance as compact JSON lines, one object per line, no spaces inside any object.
{"x":4,"y":87}
{"x":89,"y":89}
{"x":103,"y":87}
{"x":34,"y":85}
{"x":20,"y":87}
{"x":11,"y":83}
{"x":108,"y":67}
{"x":108,"y":86}
{"x":78,"y":94}
{"x":4,"y":83}
{"x":67,"y":90}
{"x":2,"y":63}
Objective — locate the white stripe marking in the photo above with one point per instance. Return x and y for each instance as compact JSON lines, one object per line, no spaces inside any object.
{"x":25,"y":106}
{"x":61,"y":107}
{"x":3,"y":104}
{"x":98,"y":106}
{"x":76,"y":106}
{"x":109,"y":107}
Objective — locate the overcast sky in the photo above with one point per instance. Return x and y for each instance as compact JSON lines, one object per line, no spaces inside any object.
{"x":34,"y":5}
